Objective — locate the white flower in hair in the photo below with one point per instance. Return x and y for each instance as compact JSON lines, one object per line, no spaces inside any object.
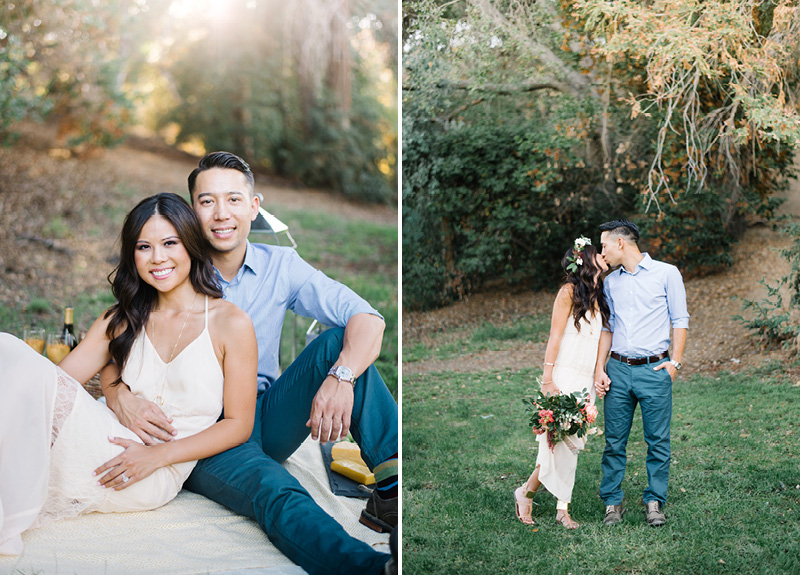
{"x":577,"y":259}
{"x":582,"y":242}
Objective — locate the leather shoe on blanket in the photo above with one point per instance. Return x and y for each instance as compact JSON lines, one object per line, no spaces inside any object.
{"x":380,"y":514}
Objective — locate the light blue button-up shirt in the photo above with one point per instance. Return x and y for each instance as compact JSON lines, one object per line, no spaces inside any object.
{"x":643,"y":304}
{"x":274,"y":279}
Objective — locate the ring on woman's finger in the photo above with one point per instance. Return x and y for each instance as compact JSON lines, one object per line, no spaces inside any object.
{"x":125,"y":478}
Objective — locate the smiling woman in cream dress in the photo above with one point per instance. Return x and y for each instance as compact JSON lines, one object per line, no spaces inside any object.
{"x":61,"y":452}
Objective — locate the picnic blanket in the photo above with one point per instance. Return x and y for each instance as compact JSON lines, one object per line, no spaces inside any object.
{"x":188,"y":536}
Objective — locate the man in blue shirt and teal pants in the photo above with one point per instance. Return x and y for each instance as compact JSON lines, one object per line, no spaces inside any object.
{"x":331,"y":389}
{"x":645,"y":298}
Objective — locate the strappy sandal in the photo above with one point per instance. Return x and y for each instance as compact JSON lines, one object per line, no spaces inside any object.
{"x":523,"y":501}
{"x":567,"y":521}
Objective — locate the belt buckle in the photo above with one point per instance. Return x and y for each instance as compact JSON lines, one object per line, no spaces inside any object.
{"x":628,"y":361}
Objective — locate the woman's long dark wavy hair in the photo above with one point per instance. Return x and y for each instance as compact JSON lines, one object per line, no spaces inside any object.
{"x":135,"y":297}
{"x":586,"y":294}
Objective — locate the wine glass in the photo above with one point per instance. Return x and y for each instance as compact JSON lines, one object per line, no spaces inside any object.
{"x":57,"y":347}
{"x":34,"y":337}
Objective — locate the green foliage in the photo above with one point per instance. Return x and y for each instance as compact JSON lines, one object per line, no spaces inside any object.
{"x":524,"y":127}
{"x":61,"y":59}
{"x":17,"y":98}
{"x":771,"y":320}
{"x":300,"y":91}
{"x":345,"y":159}
{"x":792,"y":254}
{"x":493,"y":199}
{"x":241,"y":97}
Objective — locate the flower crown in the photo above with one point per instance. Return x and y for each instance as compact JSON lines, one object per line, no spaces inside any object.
{"x":576,"y":258}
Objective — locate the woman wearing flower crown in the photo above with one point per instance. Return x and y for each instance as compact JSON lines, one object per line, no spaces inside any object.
{"x":579,"y":313}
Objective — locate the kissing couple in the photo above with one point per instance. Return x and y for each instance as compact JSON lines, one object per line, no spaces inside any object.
{"x":610,"y":336}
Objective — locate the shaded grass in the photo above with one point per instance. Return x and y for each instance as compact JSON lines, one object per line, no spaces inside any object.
{"x":734,"y":495}
{"x":331,"y":241}
{"x":494,"y":336}
{"x":41,"y":312}
{"x":363,"y":256}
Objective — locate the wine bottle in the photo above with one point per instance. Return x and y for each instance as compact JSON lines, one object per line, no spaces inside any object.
{"x":68,"y":331}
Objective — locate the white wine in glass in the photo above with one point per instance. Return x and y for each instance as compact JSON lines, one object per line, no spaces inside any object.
{"x":34,"y":337}
{"x":58,"y":347}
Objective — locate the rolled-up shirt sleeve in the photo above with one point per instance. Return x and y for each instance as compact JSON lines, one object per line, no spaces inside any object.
{"x":676,"y":299}
{"x":317,"y":296}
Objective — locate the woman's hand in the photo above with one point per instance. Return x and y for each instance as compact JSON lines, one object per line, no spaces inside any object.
{"x":549,"y":388}
{"x":601,"y":383}
{"x":132,"y":465}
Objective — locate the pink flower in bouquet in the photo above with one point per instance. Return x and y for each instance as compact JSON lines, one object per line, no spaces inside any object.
{"x":591,"y":412}
{"x":546,"y":415}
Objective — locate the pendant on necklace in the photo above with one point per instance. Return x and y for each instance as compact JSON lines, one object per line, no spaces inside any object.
{"x":159,"y":400}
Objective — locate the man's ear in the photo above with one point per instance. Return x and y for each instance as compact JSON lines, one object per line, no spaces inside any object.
{"x":255,"y":205}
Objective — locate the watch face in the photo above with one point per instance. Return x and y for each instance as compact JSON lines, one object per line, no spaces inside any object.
{"x":343,"y":372}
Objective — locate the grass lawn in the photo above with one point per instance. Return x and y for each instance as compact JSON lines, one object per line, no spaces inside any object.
{"x":734,"y":492}
{"x":494,"y":336}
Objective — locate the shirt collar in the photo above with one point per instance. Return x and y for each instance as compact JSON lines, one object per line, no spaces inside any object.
{"x":646,"y":263}
{"x":251,"y":262}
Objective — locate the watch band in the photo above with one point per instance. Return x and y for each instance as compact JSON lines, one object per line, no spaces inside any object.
{"x":343,"y":373}
{"x":677,"y":364}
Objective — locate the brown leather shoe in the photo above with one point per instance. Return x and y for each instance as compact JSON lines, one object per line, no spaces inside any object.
{"x":380,"y":514}
{"x":614,"y":514}
{"x":655,"y":517}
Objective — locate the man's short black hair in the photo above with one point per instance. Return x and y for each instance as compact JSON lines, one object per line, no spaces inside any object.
{"x":624,"y":228}
{"x":224,"y":160}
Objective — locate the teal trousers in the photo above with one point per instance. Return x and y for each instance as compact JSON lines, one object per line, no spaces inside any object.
{"x":652,"y":391}
{"x":251,"y":481}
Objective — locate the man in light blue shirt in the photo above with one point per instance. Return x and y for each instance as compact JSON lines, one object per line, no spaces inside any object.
{"x":331,"y":389}
{"x":645,"y":298}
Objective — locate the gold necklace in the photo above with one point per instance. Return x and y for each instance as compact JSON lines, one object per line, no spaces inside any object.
{"x":159,"y":398}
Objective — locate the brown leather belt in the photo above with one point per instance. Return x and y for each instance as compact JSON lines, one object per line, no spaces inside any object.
{"x":639,"y":360}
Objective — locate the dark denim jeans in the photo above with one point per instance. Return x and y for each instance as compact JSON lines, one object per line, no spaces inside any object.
{"x":251,"y":481}
{"x":652,"y":390}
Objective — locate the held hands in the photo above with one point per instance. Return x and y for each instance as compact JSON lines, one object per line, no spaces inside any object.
{"x":331,"y":410}
{"x":601,"y":383}
{"x":144,"y":418}
{"x":136,"y":462}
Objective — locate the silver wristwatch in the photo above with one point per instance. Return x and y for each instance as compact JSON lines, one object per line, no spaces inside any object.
{"x":343,"y":373}
{"x":677,"y":364}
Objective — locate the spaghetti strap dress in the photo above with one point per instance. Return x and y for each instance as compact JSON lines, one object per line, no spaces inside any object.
{"x":573,"y":371}
{"x":53,"y":434}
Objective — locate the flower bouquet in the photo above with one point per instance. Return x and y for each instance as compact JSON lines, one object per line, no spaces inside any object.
{"x":562,"y":415}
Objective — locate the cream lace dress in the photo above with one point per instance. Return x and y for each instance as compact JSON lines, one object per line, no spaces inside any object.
{"x":574,"y":371}
{"x":53,"y":434}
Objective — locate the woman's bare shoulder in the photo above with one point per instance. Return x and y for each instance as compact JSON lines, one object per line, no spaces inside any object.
{"x":229,"y":316}
{"x":566,"y":291}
